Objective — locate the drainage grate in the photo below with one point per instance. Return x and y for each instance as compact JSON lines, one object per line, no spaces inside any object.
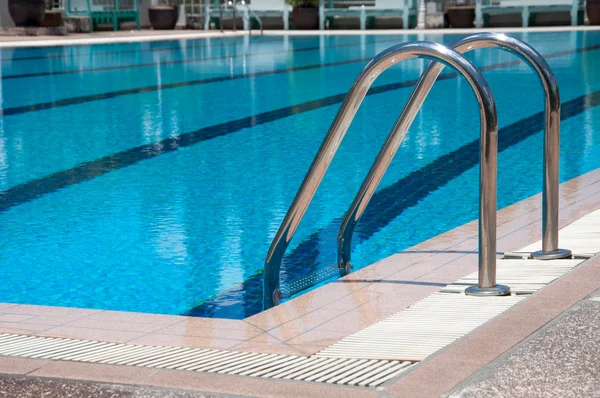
{"x":523,"y":276}
{"x":442,"y":318}
{"x":344,"y":371}
{"x":422,"y":329}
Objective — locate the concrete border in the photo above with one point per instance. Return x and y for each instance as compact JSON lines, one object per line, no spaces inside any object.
{"x":151,"y":35}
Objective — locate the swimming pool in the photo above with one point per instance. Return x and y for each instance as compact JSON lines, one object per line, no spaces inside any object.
{"x":152,"y":177}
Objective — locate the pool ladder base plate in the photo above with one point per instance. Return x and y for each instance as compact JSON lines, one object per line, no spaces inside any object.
{"x":553,"y":255}
{"x":498,"y":290}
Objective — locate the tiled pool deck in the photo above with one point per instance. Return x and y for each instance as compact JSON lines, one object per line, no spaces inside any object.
{"x":317,"y":319}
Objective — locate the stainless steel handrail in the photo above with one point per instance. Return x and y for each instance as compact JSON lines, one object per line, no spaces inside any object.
{"x":550,"y":248}
{"x":337,"y":130}
{"x":260,"y":22}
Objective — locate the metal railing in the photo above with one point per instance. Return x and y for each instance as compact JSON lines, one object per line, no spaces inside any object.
{"x":258,"y":19}
{"x":339,"y":127}
{"x":550,"y":194}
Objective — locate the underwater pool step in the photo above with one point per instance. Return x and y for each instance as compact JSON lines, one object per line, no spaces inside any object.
{"x":342,"y":371}
{"x":311,"y":279}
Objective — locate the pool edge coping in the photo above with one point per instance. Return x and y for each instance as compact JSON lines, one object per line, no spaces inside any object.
{"x":144,"y":35}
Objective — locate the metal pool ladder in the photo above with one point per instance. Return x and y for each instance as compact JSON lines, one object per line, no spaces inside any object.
{"x":440,"y":56}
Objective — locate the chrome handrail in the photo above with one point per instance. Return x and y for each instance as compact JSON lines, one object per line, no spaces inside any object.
{"x":260,"y":22}
{"x":337,"y":130}
{"x":550,"y":248}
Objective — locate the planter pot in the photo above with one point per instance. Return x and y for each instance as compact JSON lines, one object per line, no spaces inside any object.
{"x":461,"y":17}
{"x":306,"y":18}
{"x":592,"y":7}
{"x":163,"y":17}
{"x":27,"y":12}
{"x":52,"y":19}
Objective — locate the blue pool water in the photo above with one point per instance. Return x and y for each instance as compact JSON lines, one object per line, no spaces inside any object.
{"x":152,"y":177}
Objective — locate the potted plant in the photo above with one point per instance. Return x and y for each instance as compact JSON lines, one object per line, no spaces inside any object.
{"x":461,"y":14}
{"x":164,"y":16}
{"x":52,"y":18}
{"x":27,"y":12}
{"x":305,"y":13}
{"x":592,"y":8}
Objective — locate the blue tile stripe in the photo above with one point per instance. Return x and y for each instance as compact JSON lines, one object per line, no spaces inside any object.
{"x":245,"y":299}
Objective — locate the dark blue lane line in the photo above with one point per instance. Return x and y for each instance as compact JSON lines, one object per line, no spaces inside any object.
{"x":134,"y":91}
{"x":386,"y":205}
{"x":36,"y":188}
{"x":203,"y":44}
{"x":185,"y":61}
{"x":33,"y":189}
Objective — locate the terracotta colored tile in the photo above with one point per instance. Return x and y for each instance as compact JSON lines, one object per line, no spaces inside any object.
{"x":14,"y":317}
{"x":441,"y":373}
{"x":266,"y":337}
{"x":50,"y":311}
{"x":308,"y":350}
{"x":48,"y":320}
{"x":420,"y":269}
{"x":215,"y":323}
{"x":572,"y":291}
{"x":380,"y":288}
{"x":312,"y":320}
{"x":452,"y":271}
{"x":321,"y":298}
{"x":89,"y":371}
{"x":135,"y":317}
{"x":21,"y":328}
{"x":318,"y":337}
{"x":283,"y":333}
{"x":273,"y":317}
{"x":185,"y":329}
{"x":493,"y":340}
{"x":383,"y":307}
{"x":400,"y":299}
{"x":352,"y":300}
{"x":414,"y":391}
{"x":115,"y":336}
{"x":4,"y":306}
{"x":170,"y":340}
{"x":115,"y":325}
{"x":20,"y":366}
{"x":246,"y":386}
{"x":350,"y":322}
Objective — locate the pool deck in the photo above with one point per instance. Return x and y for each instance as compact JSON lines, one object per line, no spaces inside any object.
{"x":131,"y":36}
{"x":316,"y":320}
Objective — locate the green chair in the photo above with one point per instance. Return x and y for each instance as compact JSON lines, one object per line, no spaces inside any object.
{"x":104,"y":11}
